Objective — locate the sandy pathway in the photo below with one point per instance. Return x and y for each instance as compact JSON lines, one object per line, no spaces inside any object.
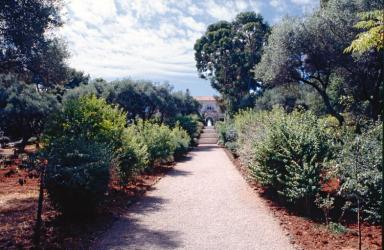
{"x":203,"y":203}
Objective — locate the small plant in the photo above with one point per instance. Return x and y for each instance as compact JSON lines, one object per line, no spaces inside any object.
{"x":326,"y":204}
{"x":337,"y":228}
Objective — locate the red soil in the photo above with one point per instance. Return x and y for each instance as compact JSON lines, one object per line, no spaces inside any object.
{"x":18,"y":204}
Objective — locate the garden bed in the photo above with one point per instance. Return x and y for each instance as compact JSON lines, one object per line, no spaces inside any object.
{"x":18,"y":204}
{"x":308,"y":234}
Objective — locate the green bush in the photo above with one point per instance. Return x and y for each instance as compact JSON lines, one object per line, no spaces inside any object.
{"x":90,"y":117}
{"x":360,"y":169}
{"x":227,"y":135}
{"x":157,"y":138}
{"x":77,"y":174}
{"x":133,"y":156}
{"x":190,"y":123}
{"x":288,"y":151}
{"x":81,"y":142}
{"x":181,"y":141}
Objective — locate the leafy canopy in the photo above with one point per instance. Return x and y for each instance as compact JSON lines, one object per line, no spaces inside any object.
{"x":373,"y":37}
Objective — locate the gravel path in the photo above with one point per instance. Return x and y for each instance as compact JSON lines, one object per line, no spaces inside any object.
{"x":204,"y":203}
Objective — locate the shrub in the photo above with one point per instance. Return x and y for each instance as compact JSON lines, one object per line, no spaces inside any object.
{"x":227,"y":135}
{"x":90,"y":117}
{"x":181,"y":141}
{"x":157,"y":138}
{"x":287,"y":151}
{"x":360,"y":170}
{"x":81,"y":142}
{"x":133,"y":156}
{"x":77,"y":174}
{"x":190,"y":123}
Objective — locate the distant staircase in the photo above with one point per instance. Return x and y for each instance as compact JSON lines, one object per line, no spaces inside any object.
{"x":209,"y":136}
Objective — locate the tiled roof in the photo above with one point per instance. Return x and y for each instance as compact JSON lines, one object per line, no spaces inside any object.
{"x":205,"y":98}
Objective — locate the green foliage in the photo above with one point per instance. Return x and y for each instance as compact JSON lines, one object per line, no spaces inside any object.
{"x":181,"y":141}
{"x":310,"y":51}
{"x":77,"y":174}
{"x":140,"y":99}
{"x":27,"y":44}
{"x":372,"y":38}
{"x":290,"y":97}
{"x":360,"y":169}
{"x":285,"y":152}
{"x":23,"y":109}
{"x":90,"y":117}
{"x":98,"y":87}
{"x":190,"y":123}
{"x":133,"y":156}
{"x":81,"y":142}
{"x":337,"y":228}
{"x":326,"y":204}
{"x":227,"y":52}
{"x":227,"y":135}
{"x":157,"y":138}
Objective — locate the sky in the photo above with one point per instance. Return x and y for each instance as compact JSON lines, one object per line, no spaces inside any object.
{"x":153,"y":39}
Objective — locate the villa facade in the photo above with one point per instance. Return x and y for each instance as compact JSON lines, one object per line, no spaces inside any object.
{"x":210,"y":109}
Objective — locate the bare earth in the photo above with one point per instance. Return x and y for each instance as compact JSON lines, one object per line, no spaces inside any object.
{"x":203,"y":203}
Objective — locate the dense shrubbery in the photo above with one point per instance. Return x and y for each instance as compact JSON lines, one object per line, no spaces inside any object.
{"x":295,"y":153}
{"x":77,"y":174}
{"x":160,"y":140}
{"x":227,"y":135}
{"x":190,"y":123}
{"x":181,"y":141}
{"x":133,"y":156}
{"x":89,"y":139}
{"x":360,"y":169}
{"x":81,"y":142}
{"x":288,"y":151}
{"x":90,"y":117}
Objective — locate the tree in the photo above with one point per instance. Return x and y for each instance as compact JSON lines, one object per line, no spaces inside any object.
{"x":141,"y":99}
{"x":27,"y":47}
{"x":23,"y":109}
{"x":310,"y":51}
{"x":373,"y":38}
{"x":227,"y":52}
{"x":76,"y":78}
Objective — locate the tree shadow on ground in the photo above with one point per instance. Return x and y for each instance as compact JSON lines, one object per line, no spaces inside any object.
{"x":178,"y":172}
{"x":131,"y":233}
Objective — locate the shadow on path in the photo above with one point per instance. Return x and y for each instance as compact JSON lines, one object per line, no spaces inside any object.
{"x":131,"y":233}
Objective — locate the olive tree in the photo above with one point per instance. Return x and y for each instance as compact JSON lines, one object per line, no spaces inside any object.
{"x":310,"y":51}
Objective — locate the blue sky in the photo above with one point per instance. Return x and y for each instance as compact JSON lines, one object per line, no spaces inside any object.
{"x":153,"y":39}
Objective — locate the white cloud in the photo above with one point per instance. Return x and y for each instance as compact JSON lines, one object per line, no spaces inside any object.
{"x":192,"y":24}
{"x":279,"y":5}
{"x":147,"y":39}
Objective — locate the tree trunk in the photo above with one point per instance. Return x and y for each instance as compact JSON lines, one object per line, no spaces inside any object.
{"x":330,"y":108}
{"x":358,"y":222}
{"x":37,"y":231}
{"x":21,"y":146}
